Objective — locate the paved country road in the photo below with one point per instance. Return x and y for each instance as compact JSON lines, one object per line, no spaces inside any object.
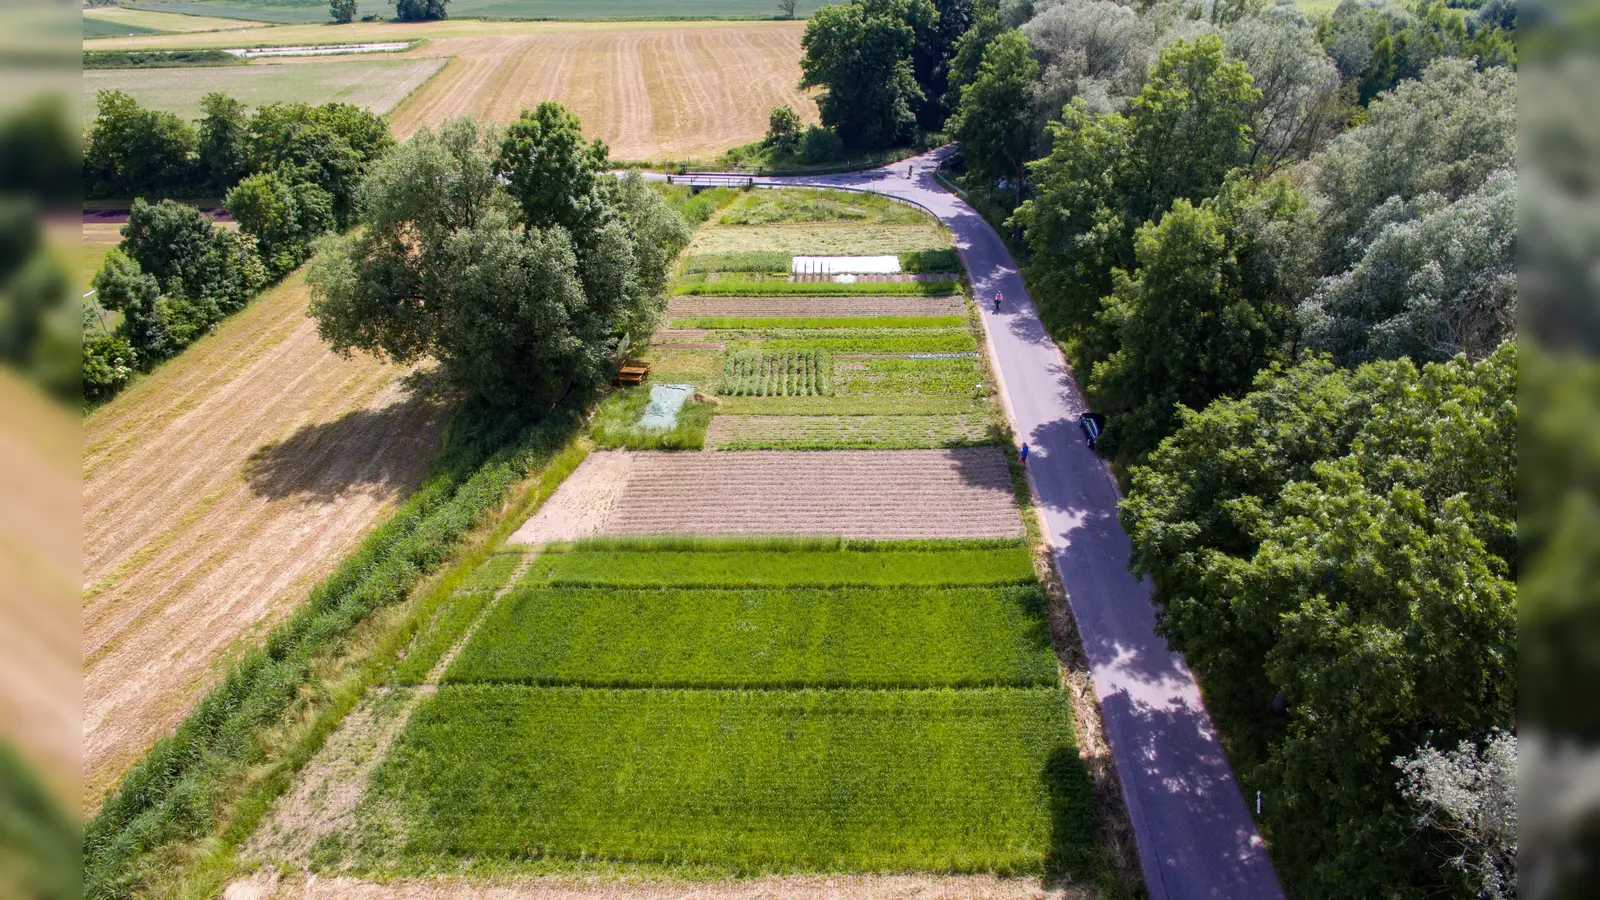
{"x":1195,"y":832}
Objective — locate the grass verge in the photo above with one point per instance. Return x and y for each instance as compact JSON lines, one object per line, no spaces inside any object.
{"x":616,"y":424}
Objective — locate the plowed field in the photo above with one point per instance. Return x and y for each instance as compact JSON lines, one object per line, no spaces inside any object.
{"x":960,"y":493}
{"x":215,"y":492}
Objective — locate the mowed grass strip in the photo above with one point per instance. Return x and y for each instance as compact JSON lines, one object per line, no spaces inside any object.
{"x":808,"y":322}
{"x":875,"y":340}
{"x":792,"y":568}
{"x":728,"y":432}
{"x":747,"y":781}
{"x":880,"y":637}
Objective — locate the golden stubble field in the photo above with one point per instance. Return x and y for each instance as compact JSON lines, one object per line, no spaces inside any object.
{"x":651,"y":90}
{"x":215,"y":493}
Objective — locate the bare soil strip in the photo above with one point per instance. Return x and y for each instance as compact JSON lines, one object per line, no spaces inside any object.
{"x":963,"y":493}
{"x":685,"y":307}
{"x":215,"y":493}
{"x":850,"y":887}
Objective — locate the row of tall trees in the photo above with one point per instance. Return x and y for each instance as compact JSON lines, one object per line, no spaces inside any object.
{"x":510,"y":256}
{"x":1280,"y":255}
{"x":289,"y":173}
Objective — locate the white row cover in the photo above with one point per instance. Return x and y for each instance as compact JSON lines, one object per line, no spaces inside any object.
{"x":845,"y":265}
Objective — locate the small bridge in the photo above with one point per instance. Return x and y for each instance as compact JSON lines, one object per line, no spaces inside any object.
{"x":699,"y":181}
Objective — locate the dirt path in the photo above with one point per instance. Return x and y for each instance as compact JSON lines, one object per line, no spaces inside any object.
{"x":215,"y":493}
{"x":853,"y":887}
{"x":855,"y":493}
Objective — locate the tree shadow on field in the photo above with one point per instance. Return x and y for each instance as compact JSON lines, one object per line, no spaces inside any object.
{"x":1072,"y":857}
{"x":380,"y":451}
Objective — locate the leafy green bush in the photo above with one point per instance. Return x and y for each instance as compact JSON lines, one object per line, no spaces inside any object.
{"x":764,"y":637}
{"x":739,"y":564}
{"x":931,"y":261}
{"x":158,"y":59}
{"x":981,"y":780}
{"x":177,"y":790}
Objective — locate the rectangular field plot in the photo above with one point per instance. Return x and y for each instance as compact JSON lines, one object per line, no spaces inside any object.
{"x":908,"y":376}
{"x":846,"y":432}
{"x":811,"y":307}
{"x":376,"y":84}
{"x":786,"y":373}
{"x":788,"y":568}
{"x":746,"y":781}
{"x":768,"y":638}
{"x":862,"y":340}
{"x":857,"y":405}
{"x":843,"y":239}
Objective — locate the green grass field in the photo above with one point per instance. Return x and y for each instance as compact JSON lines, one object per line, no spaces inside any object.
{"x":796,"y":205}
{"x":904,"y":636}
{"x":824,"y":322}
{"x":872,"y":566}
{"x":311,"y":11}
{"x":374,"y":83}
{"x":98,"y":28}
{"x":862,"y":340}
{"x":849,"y":432}
{"x":746,"y":781}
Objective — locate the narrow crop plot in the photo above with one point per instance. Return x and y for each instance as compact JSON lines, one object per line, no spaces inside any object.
{"x":746,"y":781}
{"x":945,"y":567}
{"x":790,"y":373}
{"x":833,"y":432}
{"x":770,"y":638}
{"x":813,"y":307}
{"x":842,"y":239}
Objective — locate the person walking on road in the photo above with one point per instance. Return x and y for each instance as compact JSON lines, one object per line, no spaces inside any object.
{"x":997,"y":296}
{"x":1023,"y":454}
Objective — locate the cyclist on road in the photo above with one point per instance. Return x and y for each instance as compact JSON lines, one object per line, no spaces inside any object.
{"x":997,"y":298}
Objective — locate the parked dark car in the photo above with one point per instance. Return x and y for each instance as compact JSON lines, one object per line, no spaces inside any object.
{"x":1093,"y":425}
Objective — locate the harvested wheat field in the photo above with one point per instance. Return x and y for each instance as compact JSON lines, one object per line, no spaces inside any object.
{"x":651,"y":93}
{"x":768,"y":307}
{"x":871,"y":494}
{"x":215,"y":493}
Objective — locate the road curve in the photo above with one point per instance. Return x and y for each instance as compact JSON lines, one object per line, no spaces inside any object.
{"x":1195,"y":833}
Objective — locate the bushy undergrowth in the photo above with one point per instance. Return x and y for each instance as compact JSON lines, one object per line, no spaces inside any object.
{"x":788,"y":373}
{"x":931,"y":261}
{"x":749,"y":781}
{"x":736,"y":564}
{"x":616,"y":424}
{"x":158,"y":59}
{"x":809,"y":322}
{"x":752,"y":287}
{"x":177,"y":790}
{"x":697,"y":207}
{"x":763,"y":637}
{"x":758,"y":261}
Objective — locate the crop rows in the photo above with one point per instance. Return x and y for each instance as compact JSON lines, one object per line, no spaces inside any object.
{"x":789,"y":373}
{"x":792,"y":568}
{"x":863,"y":432}
{"x":876,"y":340}
{"x":744,"y":781}
{"x":687,"y":307}
{"x":857,"y":405}
{"x":893,"y":636}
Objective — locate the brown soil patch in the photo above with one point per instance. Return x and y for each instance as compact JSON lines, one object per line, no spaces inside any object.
{"x":687,"y":307}
{"x":852,"y":887}
{"x":215,"y":493}
{"x":583,"y":504}
{"x":650,"y":92}
{"x":854,"y":493}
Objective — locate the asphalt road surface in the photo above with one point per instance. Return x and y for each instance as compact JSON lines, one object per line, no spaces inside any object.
{"x":1195,"y":832}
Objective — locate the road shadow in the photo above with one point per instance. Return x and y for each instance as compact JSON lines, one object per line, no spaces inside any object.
{"x":384,"y":450}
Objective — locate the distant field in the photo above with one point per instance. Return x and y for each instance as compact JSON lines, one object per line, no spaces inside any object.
{"x":308,"y":11}
{"x":653,"y":91}
{"x":105,"y":21}
{"x":374,"y":83}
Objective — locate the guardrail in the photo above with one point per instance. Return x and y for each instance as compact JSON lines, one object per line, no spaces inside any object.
{"x":699,"y":181}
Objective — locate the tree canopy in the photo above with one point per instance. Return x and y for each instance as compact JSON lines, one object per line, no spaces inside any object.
{"x":861,"y":55}
{"x":510,"y":258}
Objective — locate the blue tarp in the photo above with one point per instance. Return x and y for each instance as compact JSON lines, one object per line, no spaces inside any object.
{"x":665,"y":401}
